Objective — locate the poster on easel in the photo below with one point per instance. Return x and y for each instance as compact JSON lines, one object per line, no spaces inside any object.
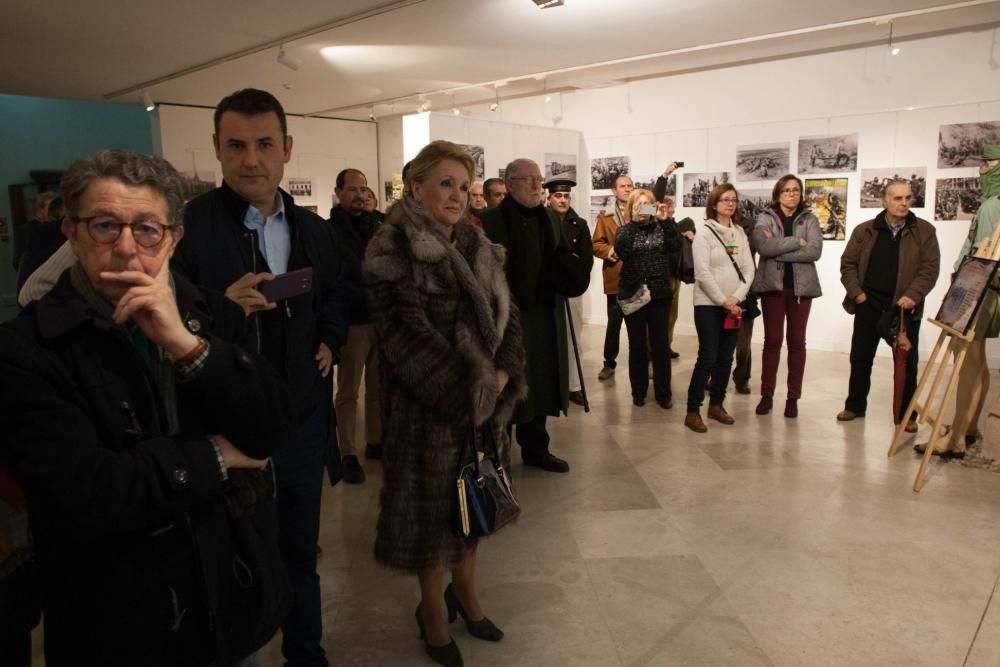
{"x":964,"y":296}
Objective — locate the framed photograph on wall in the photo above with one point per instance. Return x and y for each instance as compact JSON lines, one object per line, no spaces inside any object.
{"x":560,"y":165}
{"x":966,"y":292}
{"x":827,"y":199}
{"x":960,"y":145}
{"x":762,"y":161}
{"x":822,"y":154}
{"x":478,"y":155}
{"x":698,"y":185}
{"x":604,"y":171}
{"x":956,"y":198}
{"x":300,"y":186}
{"x":873,"y":182}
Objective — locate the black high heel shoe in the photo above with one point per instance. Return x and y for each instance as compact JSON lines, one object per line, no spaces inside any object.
{"x":447,"y":655}
{"x":481,"y":629}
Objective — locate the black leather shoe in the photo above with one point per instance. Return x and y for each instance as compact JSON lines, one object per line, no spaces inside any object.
{"x":667,"y":404}
{"x":638,"y":402}
{"x":675,"y":355}
{"x":576,"y":397}
{"x":545,"y":461}
{"x":743,"y":389}
{"x":447,"y":655}
{"x":481,"y":629}
{"x":353,"y":472}
{"x":373,"y":451}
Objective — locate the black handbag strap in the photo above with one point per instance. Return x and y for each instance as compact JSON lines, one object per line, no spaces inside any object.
{"x":487,"y":433}
{"x":733,"y":261}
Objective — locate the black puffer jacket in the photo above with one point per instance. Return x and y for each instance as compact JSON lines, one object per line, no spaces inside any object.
{"x":218,"y":249}
{"x":140,"y":558}
{"x":647,"y":252}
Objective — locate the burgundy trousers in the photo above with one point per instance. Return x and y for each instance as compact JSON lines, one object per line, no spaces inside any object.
{"x":776,"y":309}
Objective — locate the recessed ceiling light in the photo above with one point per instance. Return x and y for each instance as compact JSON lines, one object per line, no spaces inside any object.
{"x":147,"y":101}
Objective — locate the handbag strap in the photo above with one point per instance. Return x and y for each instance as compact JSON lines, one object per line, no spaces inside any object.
{"x":733,"y":261}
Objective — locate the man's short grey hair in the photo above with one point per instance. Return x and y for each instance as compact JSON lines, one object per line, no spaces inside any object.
{"x":127,"y":167}
{"x":895,"y":181}
{"x":514,"y":167}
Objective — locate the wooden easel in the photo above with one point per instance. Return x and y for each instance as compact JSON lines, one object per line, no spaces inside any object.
{"x":953,"y":341}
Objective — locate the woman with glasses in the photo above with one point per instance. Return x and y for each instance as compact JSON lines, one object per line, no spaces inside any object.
{"x":789,"y":240}
{"x":646,"y":245}
{"x":723,"y":272}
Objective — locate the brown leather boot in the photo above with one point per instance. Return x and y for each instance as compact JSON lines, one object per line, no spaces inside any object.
{"x":693,"y":421}
{"x":719,"y":414}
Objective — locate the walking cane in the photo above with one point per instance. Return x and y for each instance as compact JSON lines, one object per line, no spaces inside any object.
{"x":576,"y":355}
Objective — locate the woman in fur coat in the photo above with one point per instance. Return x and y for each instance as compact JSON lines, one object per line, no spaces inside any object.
{"x":451,"y":356}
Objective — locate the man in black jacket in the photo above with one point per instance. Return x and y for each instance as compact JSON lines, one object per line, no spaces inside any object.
{"x":139,"y":433}
{"x":353,"y":228}
{"x":239,"y":235}
{"x":577,"y":235}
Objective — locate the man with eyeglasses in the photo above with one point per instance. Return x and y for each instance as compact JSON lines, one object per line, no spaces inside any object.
{"x":494,"y":190}
{"x":240,"y":235}
{"x":542,"y":270}
{"x":140,"y":435}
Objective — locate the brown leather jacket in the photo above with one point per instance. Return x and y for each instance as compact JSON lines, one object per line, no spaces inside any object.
{"x":919,"y":260}
{"x":605,"y":229}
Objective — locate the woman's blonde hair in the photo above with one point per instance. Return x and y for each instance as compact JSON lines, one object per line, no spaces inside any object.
{"x":433,"y":154}
{"x":633,"y":198}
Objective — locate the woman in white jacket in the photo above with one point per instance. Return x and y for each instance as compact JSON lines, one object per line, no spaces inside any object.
{"x":723,"y":273}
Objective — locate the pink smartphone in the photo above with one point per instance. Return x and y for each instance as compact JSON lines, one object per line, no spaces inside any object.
{"x":732,"y":321}
{"x":287,"y":285}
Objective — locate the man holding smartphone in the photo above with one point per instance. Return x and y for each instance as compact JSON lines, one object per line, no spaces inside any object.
{"x":239,"y":235}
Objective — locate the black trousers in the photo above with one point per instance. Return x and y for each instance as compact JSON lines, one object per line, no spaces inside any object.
{"x":613,"y":335}
{"x":715,"y":356}
{"x":864,"y":344}
{"x":743,"y":358}
{"x":533,"y":437}
{"x":299,"y":473}
{"x":652,"y":323}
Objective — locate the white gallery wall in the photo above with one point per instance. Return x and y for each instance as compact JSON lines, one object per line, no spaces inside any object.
{"x":321,"y":147}
{"x":894,"y":104}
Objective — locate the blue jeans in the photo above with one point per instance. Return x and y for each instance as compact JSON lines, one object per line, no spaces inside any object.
{"x":715,"y":356}
{"x":299,"y":473}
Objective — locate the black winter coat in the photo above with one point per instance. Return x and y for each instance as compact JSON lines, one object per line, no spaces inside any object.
{"x":139,"y":558}
{"x":647,"y":252}
{"x":577,"y":235}
{"x":353,"y":234}
{"x":218,"y":249}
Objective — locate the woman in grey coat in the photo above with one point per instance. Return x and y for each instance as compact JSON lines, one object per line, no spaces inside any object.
{"x":789,"y":240}
{"x":451,"y":357}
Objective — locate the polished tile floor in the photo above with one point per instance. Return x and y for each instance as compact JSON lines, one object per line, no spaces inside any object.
{"x":770,"y":542}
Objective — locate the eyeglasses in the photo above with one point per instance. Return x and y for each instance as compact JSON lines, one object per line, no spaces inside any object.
{"x":729,"y":200}
{"x":105,"y":230}
{"x":531,"y":179}
{"x":791,"y":191}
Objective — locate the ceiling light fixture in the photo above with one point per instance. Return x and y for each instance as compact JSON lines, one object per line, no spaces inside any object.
{"x":371,"y":115}
{"x":455,"y":110}
{"x":289,"y":61}
{"x":546,"y":4}
{"x":496,"y":103}
{"x":545,"y":89}
{"x":894,"y":50}
{"x":147,"y":101}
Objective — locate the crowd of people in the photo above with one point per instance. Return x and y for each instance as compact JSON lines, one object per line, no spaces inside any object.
{"x":184,"y":373}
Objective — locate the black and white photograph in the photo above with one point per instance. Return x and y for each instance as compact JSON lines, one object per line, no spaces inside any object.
{"x":300,"y":186}
{"x":560,"y":165}
{"x":478,"y":154}
{"x":821,"y":154}
{"x":643,"y":181}
{"x":966,"y":292}
{"x":197,"y":183}
{"x":604,"y":171}
{"x":762,"y":161}
{"x":697,"y":186}
{"x":873,"y":182}
{"x":956,"y":198}
{"x":827,"y":199}
{"x":753,"y":201}
{"x":961,"y":145}
{"x":501,"y":172}
{"x":599,"y":204}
